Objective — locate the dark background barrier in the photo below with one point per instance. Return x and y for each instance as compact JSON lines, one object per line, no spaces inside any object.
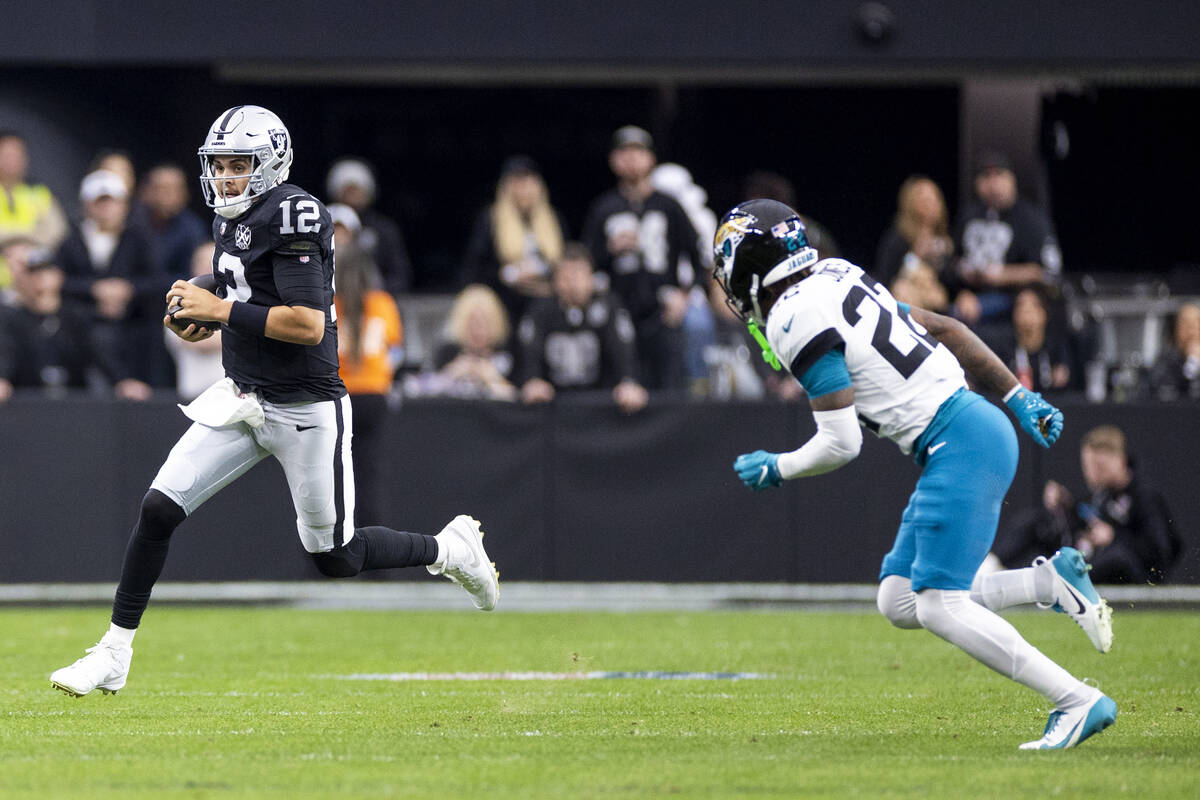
{"x":571,"y":491}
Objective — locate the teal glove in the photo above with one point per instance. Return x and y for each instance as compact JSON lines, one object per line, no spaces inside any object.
{"x":758,"y":470}
{"x":1038,"y":418}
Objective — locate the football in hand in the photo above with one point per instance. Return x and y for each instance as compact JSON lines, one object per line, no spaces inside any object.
{"x":209,"y":284}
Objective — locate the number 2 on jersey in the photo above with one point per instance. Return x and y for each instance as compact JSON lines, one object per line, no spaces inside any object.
{"x":904,"y":363}
{"x":307,"y":214}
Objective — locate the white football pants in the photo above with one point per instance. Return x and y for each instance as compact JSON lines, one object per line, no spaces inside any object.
{"x":311,"y":441}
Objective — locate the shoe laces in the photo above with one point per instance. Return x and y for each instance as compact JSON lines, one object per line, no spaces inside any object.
{"x":463,"y":578}
{"x":89,"y":651}
{"x":1052,"y":723}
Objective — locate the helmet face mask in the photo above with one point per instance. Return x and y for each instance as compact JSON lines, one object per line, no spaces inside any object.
{"x":757,"y":245}
{"x":253,"y":133}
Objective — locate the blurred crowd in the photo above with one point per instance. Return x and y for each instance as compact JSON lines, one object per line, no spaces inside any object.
{"x":624,"y":306}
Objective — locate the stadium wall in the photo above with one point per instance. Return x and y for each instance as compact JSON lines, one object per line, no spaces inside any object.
{"x":573,"y":491}
{"x":814,"y":34}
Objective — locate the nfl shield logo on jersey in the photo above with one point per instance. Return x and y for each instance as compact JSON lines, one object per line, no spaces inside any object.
{"x":241,"y":237}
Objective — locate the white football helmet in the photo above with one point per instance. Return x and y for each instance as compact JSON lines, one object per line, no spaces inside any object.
{"x":251,"y":131}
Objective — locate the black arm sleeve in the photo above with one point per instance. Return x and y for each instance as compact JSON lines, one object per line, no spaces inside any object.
{"x":299,"y":274}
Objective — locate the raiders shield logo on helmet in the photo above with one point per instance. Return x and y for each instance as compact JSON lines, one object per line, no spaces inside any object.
{"x":279,"y":140}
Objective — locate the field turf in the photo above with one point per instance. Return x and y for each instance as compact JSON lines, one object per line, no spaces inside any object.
{"x":247,"y":702}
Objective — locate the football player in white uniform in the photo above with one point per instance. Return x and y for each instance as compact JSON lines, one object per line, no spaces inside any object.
{"x":281,"y":397}
{"x":867,"y":360}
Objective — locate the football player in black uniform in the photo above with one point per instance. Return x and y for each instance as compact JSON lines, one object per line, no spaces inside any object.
{"x":281,"y":395}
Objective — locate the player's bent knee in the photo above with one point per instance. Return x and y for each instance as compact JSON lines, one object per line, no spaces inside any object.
{"x":341,"y":562}
{"x":896,"y":601}
{"x":316,"y":538}
{"x":938,"y":610}
{"x":160,"y":515}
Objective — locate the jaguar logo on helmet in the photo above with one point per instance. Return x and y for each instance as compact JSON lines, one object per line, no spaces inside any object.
{"x":731,"y":233}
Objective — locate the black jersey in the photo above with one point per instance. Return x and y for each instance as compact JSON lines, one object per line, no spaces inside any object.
{"x":280,"y":252}
{"x":577,"y":348}
{"x":664,"y":233}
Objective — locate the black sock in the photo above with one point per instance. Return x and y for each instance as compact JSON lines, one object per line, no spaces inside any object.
{"x":387,"y":548}
{"x":144,"y":557}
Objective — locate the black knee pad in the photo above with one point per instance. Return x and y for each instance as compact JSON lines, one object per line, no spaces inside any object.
{"x":341,"y":562}
{"x":160,"y":516}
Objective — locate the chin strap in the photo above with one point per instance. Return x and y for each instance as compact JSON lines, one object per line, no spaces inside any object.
{"x":767,"y":353}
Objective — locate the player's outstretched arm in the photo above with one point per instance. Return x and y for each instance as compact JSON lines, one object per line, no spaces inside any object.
{"x":1038,"y":418}
{"x":837,"y":442}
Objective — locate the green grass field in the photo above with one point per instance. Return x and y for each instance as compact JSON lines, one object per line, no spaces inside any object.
{"x":241,"y":702}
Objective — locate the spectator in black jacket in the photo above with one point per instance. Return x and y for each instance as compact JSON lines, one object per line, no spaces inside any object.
{"x":46,"y":344}
{"x":109,"y":271}
{"x":636,"y":236}
{"x":578,"y":339}
{"x":1006,"y":243}
{"x":174,"y":230}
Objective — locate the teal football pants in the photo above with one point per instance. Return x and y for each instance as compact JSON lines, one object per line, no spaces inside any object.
{"x":950,"y":522}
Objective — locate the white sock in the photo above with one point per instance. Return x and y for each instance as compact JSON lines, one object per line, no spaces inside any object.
{"x":444,"y":554}
{"x":1013,"y":587}
{"x":992,"y":641}
{"x":119,"y":635}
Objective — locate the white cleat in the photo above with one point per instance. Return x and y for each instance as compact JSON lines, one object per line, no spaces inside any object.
{"x":1069,"y":727}
{"x":466,"y":562}
{"x":1075,"y":596}
{"x":105,"y":667}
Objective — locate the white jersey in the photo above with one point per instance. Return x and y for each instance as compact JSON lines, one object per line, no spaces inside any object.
{"x":900,"y":374}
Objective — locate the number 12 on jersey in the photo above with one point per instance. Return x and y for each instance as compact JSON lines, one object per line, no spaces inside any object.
{"x":307,"y":215}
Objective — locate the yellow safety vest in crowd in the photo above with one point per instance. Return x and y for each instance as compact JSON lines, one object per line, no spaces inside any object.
{"x":20,"y":209}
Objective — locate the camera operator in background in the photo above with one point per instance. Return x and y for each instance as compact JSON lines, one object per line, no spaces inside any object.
{"x":1124,"y":528}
